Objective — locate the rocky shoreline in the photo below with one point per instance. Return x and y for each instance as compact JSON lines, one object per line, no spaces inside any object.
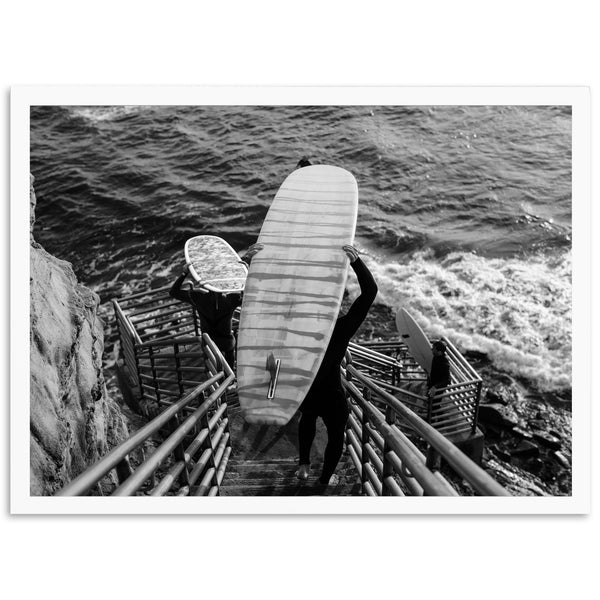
{"x":527,"y":432}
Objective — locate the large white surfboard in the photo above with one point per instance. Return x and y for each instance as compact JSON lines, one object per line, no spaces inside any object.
{"x":412,"y":335}
{"x":294,"y":290}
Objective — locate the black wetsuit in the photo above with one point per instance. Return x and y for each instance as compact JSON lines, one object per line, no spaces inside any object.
{"x":326,"y":397}
{"x":440,"y":372}
{"x":215,"y":311}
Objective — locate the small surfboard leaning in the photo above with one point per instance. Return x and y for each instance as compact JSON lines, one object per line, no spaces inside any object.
{"x":412,"y":335}
{"x":294,"y":291}
{"x":215,"y":265}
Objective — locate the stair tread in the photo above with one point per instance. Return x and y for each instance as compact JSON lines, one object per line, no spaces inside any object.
{"x":277,"y":477}
{"x":298,"y":489}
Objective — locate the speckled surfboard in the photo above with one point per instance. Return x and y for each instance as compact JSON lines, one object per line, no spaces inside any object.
{"x":214,"y":264}
{"x":412,"y":335}
{"x":294,"y":290}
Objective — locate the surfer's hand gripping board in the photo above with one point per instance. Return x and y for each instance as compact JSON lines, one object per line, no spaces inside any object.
{"x":351,"y":252}
{"x":251,"y":252}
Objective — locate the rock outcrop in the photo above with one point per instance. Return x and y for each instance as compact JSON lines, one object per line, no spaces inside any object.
{"x":73,"y":422}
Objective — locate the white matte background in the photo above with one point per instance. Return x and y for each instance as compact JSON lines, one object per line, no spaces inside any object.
{"x":304,"y":43}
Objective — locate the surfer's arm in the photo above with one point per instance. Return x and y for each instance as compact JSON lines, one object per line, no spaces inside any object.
{"x":368,"y":292}
{"x":176,"y":291}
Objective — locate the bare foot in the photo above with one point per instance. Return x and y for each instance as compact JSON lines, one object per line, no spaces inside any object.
{"x":333,"y":480}
{"x":303,"y":472}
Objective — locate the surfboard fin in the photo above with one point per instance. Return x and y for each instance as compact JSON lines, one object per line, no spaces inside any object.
{"x":272,"y":366}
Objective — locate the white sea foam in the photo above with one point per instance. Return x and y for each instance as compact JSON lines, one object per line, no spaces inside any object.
{"x":518,"y":312}
{"x":104,"y":113}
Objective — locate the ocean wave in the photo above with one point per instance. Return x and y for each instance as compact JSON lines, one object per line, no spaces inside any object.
{"x":95,"y":114}
{"x":515,"y":310}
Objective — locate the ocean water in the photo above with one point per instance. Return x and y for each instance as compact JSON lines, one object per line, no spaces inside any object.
{"x":464,"y":211}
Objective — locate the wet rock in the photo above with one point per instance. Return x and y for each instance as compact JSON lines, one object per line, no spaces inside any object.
{"x":493,"y":397}
{"x":525,"y":449}
{"x":500,"y":453}
{"x":491,"y":414}
{"x":505,"y":379}
{"x":561,"y":459}
{"x":534,"y":465}
{"x":509,"y":422}
{"x":522,"y":433}
{"x":494,"y":416}
{"x":476,"y":355}
{"x":547,"y":440}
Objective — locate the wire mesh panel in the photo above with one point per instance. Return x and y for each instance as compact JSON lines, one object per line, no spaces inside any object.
{"x":169,"y":369}
{"x":160,"y":345}
{"x":156,"y":316}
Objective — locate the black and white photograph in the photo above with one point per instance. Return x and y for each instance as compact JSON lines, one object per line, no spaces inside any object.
{"x":276,"y":303}
{"x":300,"y":300}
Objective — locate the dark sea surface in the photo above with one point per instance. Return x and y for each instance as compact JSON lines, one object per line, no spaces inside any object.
{"x":464,"y":212}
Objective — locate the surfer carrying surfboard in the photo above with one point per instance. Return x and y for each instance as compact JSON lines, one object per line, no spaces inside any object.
{"x":326,"y":397}
{"x":214,"y":309}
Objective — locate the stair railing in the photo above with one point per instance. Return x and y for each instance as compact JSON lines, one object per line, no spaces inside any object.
{"x":388,"y":461}
{"x":453,"y":411}
{"x":198,"y":444}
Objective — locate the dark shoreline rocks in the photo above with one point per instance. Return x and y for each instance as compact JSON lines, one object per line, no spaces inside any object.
{"x":527,"y":432}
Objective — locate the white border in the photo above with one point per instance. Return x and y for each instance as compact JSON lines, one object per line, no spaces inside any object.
{"x":22,"y":97}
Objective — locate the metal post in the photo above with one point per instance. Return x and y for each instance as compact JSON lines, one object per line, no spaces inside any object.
{"x":364,"y":438}
{"x":154,"y":373}
{"x":178,"y":367}
{"x":179,"y":452}
{"x":209,"y":444}
{"x":433,"y":458}
{"x":388,"y":469}
{"x":477,"y":400}
{"x":124,"y":470}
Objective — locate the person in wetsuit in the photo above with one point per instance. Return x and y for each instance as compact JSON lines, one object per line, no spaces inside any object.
{"x":438,"y":379}
{"x":440,"y":369}
{"x":326,"y":397}
{"x":303,"y":162}
{"x":214,"y":309}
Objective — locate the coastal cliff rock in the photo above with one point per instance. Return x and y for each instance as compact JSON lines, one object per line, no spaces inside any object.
{"x":73,"y":422}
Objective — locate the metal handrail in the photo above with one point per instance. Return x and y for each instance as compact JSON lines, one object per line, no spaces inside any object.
{"x":462,"y":464}
{"x":136,"y":480}
{"x":409,"y":459}
{"x":89,"y":478}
